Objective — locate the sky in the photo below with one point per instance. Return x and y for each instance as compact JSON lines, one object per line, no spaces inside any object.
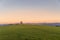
{"x":29,"y":11}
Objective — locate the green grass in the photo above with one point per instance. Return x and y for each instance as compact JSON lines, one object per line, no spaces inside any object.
{"x":29,"y":32}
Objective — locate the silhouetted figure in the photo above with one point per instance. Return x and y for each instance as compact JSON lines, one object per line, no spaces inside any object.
{"x":21,"y":22}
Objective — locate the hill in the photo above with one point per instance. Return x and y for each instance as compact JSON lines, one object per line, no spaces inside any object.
{"x":29,"y":32}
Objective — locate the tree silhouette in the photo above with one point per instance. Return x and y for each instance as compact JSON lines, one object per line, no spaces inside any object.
{"x":21,"y":22}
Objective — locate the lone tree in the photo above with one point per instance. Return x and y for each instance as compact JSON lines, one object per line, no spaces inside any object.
{"x":21,"y":22}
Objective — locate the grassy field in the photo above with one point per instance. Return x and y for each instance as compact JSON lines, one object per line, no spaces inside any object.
{"x":29,"y":32}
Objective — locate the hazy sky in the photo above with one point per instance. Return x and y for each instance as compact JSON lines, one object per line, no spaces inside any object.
{"x":12,"y":11}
